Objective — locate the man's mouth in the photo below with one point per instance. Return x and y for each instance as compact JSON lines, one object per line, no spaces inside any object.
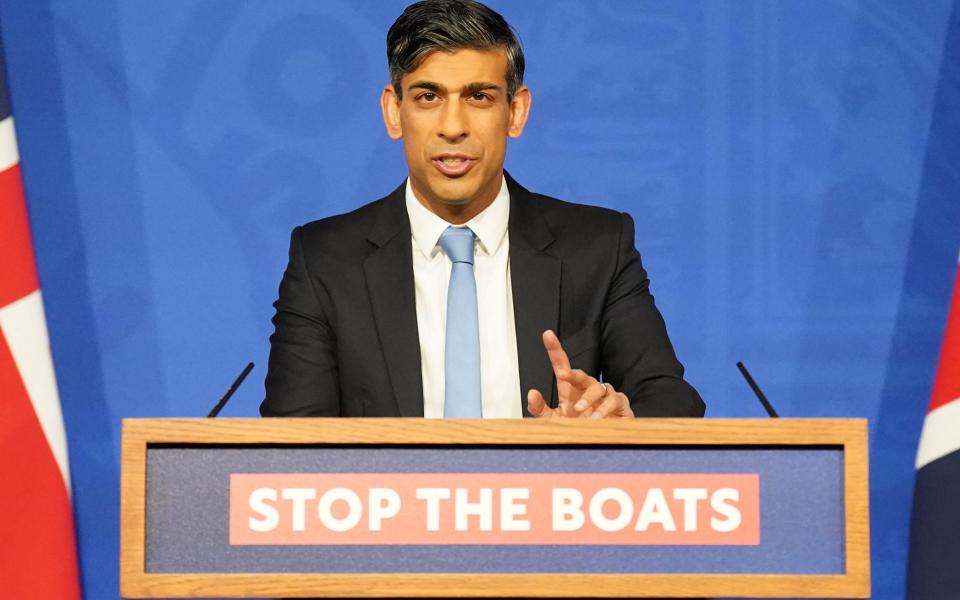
{"x":453,"y":165}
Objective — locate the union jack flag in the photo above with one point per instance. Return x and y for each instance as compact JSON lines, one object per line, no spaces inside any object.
{"x":934,"y":571}
{"x":37,"y":545}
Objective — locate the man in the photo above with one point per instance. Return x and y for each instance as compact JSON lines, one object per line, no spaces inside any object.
{"x":442,"y":299}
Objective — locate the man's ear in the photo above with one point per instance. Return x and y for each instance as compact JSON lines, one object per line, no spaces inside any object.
{"x":390,"y":106}
{"x":519,"y":111}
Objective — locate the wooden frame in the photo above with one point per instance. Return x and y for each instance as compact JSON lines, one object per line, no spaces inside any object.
{"x":850,"y":434}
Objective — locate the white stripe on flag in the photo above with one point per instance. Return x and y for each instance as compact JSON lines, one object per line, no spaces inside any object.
{"x":25,"y":329}
{"x":9,"y":155}
{"x":941,"y":433}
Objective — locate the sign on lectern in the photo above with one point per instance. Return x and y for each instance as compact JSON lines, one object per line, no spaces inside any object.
{"x":413,"y":507}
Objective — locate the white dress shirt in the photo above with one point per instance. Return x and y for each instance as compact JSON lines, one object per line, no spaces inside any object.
{"x":499,"y":366}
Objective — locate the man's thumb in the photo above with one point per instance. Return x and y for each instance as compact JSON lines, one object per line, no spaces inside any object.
{"x":536,"y":404}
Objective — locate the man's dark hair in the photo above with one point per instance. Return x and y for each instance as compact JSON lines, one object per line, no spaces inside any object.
{"x":448,"y":26}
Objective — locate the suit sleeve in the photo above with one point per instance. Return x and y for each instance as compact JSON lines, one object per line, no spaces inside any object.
{"x":637,"y":356}
{"x":302,"y":376}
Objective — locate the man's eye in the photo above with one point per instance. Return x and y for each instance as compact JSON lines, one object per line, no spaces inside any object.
{"x":427,"y":97}
{"x":480,"y":97}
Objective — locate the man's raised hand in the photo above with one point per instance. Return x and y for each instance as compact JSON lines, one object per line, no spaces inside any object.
{"x":579,"y":394}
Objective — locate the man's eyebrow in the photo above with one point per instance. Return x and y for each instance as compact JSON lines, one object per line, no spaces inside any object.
{"x":427,"y":85}
{"x":479,"y":86}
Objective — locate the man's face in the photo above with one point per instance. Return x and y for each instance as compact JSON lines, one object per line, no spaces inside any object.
{"x":454,"y":120}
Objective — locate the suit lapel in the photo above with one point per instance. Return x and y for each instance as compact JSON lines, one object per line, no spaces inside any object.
{"x":535,"y":277}
{"x":389,"y":275}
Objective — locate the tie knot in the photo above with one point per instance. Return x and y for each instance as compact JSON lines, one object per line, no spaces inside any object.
{"x":457,"y":243}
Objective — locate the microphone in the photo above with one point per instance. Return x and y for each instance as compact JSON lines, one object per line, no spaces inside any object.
{"x":756,"y":390}
{"x":230,"y":391}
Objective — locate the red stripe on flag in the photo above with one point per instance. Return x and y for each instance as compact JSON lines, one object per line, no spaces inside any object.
{"x":37,"y":547}
{"x":946,"y":386}
{"x":18,"y":276}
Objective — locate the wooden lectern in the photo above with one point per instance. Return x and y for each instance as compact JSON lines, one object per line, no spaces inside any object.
{"x":494,"y":508}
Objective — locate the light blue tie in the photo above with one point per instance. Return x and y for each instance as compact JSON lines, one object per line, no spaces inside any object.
{"x":462,"y":349}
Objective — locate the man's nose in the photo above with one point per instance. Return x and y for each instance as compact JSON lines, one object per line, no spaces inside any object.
{"x":453,"y":124}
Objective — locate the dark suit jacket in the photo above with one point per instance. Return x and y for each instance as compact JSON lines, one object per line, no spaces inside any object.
{"x":346,"y":341}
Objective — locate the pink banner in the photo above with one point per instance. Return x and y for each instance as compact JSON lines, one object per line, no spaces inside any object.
{"x":495,"y":508}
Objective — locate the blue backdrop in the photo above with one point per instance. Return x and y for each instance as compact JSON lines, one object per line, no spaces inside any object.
{"x":792,"y":167}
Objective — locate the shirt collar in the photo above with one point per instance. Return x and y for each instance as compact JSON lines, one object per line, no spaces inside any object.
{"x":490,"y":226}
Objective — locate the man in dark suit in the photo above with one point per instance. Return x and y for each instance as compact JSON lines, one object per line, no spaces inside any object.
{"x":377,"y":314}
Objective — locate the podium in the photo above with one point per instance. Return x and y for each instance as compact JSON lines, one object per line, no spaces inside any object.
{"x":494,"y":508}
